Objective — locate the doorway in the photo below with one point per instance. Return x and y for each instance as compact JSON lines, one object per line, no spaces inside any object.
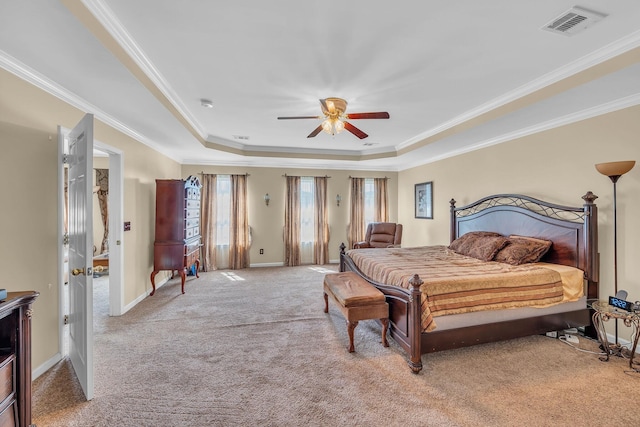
{"x":115,"y":227}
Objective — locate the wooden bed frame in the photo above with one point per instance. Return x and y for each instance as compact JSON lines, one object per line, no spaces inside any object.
{"x":574,"y":232}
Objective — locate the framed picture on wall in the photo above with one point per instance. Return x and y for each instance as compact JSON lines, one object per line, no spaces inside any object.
{"x":424,"y":200}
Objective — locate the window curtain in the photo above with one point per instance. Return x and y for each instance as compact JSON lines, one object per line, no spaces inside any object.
{"x":238,"y":224}
{"x":381,"y":200}
{"x":208,"y":220}
{"x":356,"y":220}
{"x":321,"y":235}
{"x":102,"y":181}
{"x":292,"y":222}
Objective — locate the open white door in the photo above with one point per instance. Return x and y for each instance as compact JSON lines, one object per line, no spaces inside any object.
{"x":80,"y":159}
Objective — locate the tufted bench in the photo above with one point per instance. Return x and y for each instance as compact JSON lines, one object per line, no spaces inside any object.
{"x":358,"y":300}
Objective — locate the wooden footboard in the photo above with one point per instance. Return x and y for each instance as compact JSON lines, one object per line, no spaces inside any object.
{"x":404,"y":312}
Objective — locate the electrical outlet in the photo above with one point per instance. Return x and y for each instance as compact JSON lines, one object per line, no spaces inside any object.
{"x":261,"y":251}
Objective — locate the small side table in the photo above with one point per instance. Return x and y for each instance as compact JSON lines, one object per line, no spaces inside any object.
{"x":602,"y":313}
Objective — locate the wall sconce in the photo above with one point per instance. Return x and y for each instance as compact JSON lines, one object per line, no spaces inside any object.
{"x":338,"y":200}
{"x":266,"y":199}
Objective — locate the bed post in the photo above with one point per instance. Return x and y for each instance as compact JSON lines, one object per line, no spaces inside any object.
{"x":415,"y":324}
{"x":453,"y":222}
{"x":590,"y":236}
{"x":342,"y":253}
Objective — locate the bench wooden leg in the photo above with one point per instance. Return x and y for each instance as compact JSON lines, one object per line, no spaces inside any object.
{"x":351,"y":326}
{"x":326,"y":303}
{"x":385,"y":327}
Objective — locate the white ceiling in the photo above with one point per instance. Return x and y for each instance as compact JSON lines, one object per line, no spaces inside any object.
{"x":454,"y":76}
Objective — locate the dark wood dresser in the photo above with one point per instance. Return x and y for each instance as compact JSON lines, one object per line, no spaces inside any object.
{"x":15,"y":359}
{"x":177,"y":235}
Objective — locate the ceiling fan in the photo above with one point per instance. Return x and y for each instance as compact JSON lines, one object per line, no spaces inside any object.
{"x":335,"y":118}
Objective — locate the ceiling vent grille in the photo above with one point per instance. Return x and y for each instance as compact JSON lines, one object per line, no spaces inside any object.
{"x":574,"y":21}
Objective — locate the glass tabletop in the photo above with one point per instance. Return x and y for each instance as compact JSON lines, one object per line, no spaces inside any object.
{"x":605,"y":307}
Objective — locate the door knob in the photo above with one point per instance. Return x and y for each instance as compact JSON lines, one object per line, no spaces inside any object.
{"x":77,"y":271}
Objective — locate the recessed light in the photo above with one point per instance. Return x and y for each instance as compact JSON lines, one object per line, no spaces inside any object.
{"x":206,"y":103}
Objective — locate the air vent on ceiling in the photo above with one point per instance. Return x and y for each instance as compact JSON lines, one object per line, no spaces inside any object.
{"x":241,"y":137}
{"x":574,"y":21}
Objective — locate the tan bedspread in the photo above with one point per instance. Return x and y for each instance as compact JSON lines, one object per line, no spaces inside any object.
{"x":456,"y":283}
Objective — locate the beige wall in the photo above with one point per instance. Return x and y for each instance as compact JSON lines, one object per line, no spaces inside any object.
{"x":267,"y":222}
{"x":556,"y":165}
{"x":28,"y":135}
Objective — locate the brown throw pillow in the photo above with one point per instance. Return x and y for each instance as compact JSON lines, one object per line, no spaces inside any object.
{"x":523,"y":250}
{"x":483,"y":245}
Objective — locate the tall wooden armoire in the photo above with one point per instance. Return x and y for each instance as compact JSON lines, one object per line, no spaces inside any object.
{"x":177,"y":235}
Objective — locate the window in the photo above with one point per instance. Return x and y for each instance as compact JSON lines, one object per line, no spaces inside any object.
{"x":307,"y":219}
{"x":369,"y":202}
{"x":223,"y":211}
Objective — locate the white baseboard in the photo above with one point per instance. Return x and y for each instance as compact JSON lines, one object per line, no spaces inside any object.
{"x":267,"y":264}
{"x":281,"y":264}
{"x":35,"y":373}
{"x":143,"y":296}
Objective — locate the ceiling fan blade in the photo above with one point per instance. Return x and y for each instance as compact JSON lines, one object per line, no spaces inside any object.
{"x":315,"y":132}
{"x":354,"y":130}
{"x":299,"y":117}
{"x":325,"y":107}
{"x":380,"y":115}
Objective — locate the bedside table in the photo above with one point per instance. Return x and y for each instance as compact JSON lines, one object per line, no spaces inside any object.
{"x":603,"y":311}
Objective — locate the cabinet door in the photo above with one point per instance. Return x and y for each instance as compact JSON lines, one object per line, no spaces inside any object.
{"x":170,"y":210}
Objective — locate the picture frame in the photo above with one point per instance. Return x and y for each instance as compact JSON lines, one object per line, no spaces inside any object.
{"x":424,"y":200}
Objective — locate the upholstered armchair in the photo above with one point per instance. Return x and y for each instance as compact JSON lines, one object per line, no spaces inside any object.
{"x":381,"y":235}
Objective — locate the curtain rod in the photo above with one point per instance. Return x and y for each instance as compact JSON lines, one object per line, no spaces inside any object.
{"x":356,"y":177}
{"x":305,"y":176}
{"x":245,"y":174}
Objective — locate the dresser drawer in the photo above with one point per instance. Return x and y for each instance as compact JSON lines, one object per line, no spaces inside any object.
{"x":7,"y":376}
{"x":193,"y":204}
{"x":8,"y":415}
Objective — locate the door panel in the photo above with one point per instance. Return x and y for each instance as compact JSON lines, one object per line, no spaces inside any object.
{"x":80,"y":158}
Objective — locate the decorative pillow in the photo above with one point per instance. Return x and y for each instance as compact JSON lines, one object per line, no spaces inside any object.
{"x":522,"y":250}
{"x":483,"y":245}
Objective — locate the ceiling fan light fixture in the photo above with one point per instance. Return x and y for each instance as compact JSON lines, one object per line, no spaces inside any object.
{"x":332,"y":126}
{"x":327,"y":126}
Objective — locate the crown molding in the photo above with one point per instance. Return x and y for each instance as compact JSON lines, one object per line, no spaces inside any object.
{"x":609,"y":107}
{"x":597,"y":57}
{"x":112,"y":25}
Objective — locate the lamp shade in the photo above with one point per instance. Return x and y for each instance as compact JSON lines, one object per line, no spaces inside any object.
{"x":615,"y":168}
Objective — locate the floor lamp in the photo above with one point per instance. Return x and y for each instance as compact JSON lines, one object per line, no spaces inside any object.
{"x":614,"y":170}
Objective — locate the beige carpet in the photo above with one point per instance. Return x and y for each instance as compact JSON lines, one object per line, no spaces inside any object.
{"x":253,"y":347}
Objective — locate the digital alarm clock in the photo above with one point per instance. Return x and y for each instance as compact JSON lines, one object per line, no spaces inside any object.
{"x":620,"y":303}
